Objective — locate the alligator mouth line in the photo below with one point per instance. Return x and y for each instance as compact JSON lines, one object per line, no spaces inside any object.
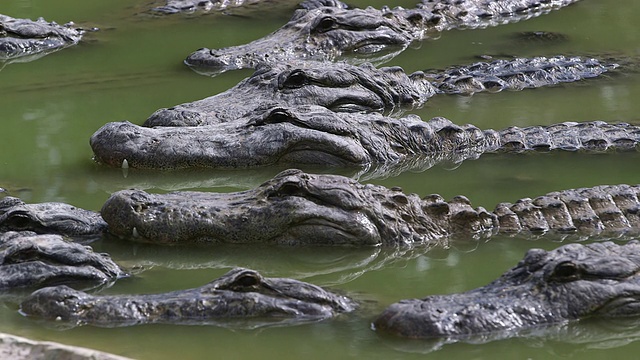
{"x":354,"y":106}
{"x":617,"y":305}
{"x":330,"y":230}
{"x":375,"y":45}
{"x":308,"y":154}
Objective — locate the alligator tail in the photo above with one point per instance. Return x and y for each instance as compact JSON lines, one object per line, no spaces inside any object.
{"x":587,"y":211}
{"x":595,"y":136}
{"x":474,"y":14}
{"x":611,"y":210}
{"x":515,"y":74}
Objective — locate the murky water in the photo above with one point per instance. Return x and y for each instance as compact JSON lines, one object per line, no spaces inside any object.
{"x":133,"y":66}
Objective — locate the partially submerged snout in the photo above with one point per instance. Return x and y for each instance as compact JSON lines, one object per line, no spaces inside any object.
{"x":30,"y":260}
{"x":49,"y":218}
{"x":323,"y":33}
{"x":241,"y":294}
{"x":286,"y":210}
{"x":274,"y":137}
{"x":210,"y":62}
{"x":570,"y":283}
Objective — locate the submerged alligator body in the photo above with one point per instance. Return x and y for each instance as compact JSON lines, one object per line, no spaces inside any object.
{"x":342,"y":87}
{"x":330,"y":30}
{"x":295,"y":208}
{"x":241,"y":294}
{"x":50,"y":218}
{"x":28,"y":260}
{"x":190,"y":6}
{"x":572,"y":282}
{"x":24,"y":39}
{"x":313,"y":135}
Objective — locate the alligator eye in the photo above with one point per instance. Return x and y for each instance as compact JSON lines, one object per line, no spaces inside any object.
{"x":296,"y":79}
{"x":247,"y":280}
{"x":285,"y":190}
{"x":18,"y":222}
{"x":278,"y":116}
{"x":566,"y":271}
{"x":326,"y":24}
{"x":288,"y":189}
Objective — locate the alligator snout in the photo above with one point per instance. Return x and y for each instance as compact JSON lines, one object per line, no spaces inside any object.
{"x":208,"y":62}
{"x":175,"y":117}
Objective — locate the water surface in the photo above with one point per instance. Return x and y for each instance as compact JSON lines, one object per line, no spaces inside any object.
{"x":133,"y":66}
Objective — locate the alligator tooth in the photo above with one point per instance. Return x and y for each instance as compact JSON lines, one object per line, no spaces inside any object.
{"x":125,"y":164}
{"x":135,"y":232}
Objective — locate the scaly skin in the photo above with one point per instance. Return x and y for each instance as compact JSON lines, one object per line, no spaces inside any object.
{"x":31,"y":260}
{"x":330,"y":31}
{"x":570,"y":283}
{"x":190,"y":6}
{"x":50,"y":218}
{"x":342,"y":87}
{"x":295,"y":208}
{"x":241,"y":294}
{"x":24,"y":37}
{"x":313,"y":135}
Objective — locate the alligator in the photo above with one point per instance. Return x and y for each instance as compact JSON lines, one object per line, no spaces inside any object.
{"x":240,"y":294}
{"x":29,"y":260}
{"x":27,"y":40}
{"x":191,"y":6}
{"x":573,"y":282}
{"x":329,"y":30}
{"x":50,"y":218}
{"x":313,"y":135}
{"x":19,"y":348}
{"x":342,"y":87}
{"x":296,"y":208}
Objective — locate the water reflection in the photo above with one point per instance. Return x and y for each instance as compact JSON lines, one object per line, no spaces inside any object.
{"x":320,"y":265}
{"x":570,"y":339}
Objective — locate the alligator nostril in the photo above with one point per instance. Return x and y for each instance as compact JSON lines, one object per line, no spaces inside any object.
{"x":415,"y":18}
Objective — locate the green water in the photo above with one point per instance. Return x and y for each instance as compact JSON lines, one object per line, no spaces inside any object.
{"x":50,"y":108}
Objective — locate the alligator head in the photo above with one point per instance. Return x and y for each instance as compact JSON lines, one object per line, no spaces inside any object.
{"x":325,"y":31}
{"x":238,"y":295}
{"x":296,"y":135}
{"x":572,"y":282}
{"x":30,"y":260}
{"x":293,"y":208}
{"x":339,"y":87}
{"x":342,"y":87}
{"x":24,"y":37}
{"x":49,"y":218}
{"x":329,"y":31}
